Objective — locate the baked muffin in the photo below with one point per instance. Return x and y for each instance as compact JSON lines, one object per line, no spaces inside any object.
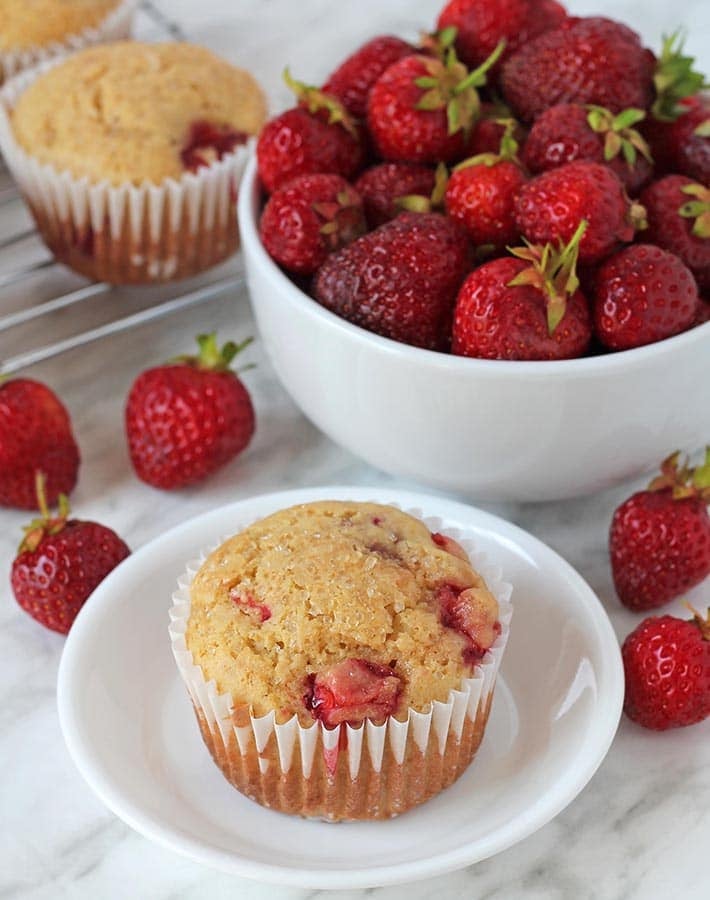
{"x":351,"y":622}
{"x":128,"y":154}
{"x":33,"y":30}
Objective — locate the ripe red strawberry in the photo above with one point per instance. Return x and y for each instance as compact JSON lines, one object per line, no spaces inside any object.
{"x":422,"y":109}
{"x":381,"y":186}
{"x":551,"y":206}
{"x":570,"y":131}
{"x":308,"y":218}
{"x":491,"y":128}
{"x":400,"y":280}
{"x":318,"y":136}
{"x":35,"y":436}
{"x":187,"y":418}
{"x":642,"y":294}
{"x":482,"y":24}
{"x":687,"y":140}
{"x":60,"y":562}
{"x":678,"y":214}
{"x":583,"y":60}
{"x":481,"y":194}
{"x":352,"y":691}
{"x":524,"y":307}
{"x":659,"y":541}
{"x":351,"y":82}
{"x":667,"y":670}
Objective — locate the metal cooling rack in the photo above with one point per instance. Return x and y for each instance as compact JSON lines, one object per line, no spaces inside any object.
{"x":42,"y":296}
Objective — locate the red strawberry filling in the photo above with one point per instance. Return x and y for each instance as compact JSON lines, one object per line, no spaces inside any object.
{"x":471,"y":613}
{"x":450,"y":545}
{"x":352,"y":691}
{"x":260,"y":612}
{"x":206,"y":143}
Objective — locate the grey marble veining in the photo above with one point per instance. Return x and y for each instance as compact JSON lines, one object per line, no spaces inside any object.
{"x":640,"y":829}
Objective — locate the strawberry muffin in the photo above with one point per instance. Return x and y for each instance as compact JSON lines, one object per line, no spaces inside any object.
{"x":322,"y":630}
{"x":34,"y":30}
{"x":128,"y":155}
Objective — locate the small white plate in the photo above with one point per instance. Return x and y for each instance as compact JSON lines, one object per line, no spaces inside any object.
{"x":130,"y":728}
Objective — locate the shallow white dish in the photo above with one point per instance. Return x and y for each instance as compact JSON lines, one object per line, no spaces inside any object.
{"x":129,"y":725}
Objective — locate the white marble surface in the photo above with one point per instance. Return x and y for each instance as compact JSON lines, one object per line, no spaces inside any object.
{"x":639,"y":830}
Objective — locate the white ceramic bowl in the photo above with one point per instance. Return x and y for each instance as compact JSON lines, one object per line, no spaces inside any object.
{"x":490,"y":429}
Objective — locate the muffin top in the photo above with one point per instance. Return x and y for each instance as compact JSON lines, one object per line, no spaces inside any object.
{"x":338,"y":611}
{"x":134,"y":112}
{"x":35,"y":23}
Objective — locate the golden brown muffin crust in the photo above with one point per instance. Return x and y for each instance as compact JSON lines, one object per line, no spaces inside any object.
{"x":124,"y":112}
{"x":36,"y":23}
{"x":313,"y":585}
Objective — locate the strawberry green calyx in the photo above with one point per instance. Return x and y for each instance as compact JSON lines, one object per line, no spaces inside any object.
{"x":342,"y":218}
{"x":438,"y":43}
{"x":674,"y":79}
{"x":620,"y":137}
{"x":637,"y":216}
{"x":682,"y":479}
{"x":449,"y":85}
{"x":315,"y":100}
{"x":508,"y":149}
{"x":552,"y":271}
{"x":698,"y":209}
{"x":703,"y":130}
{"x":211,"y":358}
{"x":45,"y":524}
{"x":421,"y":204}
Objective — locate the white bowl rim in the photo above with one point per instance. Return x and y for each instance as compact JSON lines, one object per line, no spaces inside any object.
{"x":604,"y":364}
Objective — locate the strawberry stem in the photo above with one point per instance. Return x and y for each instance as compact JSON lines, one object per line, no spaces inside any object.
{"x":45,"y":524}
{"x":703,"y":622}
{"x":316,"y":100}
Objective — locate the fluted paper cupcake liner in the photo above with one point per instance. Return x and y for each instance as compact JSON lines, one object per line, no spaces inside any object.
{"x":345,"y":773}
{"x":126,"y":234}
{"x":115,"y":26}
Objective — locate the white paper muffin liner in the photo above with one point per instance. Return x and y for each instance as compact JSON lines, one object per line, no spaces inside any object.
{"x":126,"y":234}
{"x":115,"y":26}
{"x":437,"y":730}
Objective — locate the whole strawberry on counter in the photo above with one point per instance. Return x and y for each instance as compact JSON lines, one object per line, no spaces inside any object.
{"x":352,"y":81}
{"x":659,"y":541}
{"x":60,"y":562}
{"x":35,"y":436}
{"x":584,"y":60}
{"x":400,"y":280}
{"x":319,"y":136}
{"x":527,"y":306}
{"x":678,"y":215}
{"x":643,"y":294}
{"x":571,"y":131}
{"x":422,"y":109}
{"x":188,"y":418}
{"x":667,"y":671}
{"x":550,"y":207}
{"x":308,"y":218}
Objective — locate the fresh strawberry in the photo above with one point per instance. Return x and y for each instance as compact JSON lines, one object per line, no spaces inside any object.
{"x":383,"y":185}
{"x":352,"y":691}
{"x":678,"y":215}
{"x":524,"y":307}
{"x":551,"y":206}
{"x":317,"y":137}
{"x":473,"y":612}
{"x":60,"y":562}
{"x":400,"y":280}
{"x":659,"y":541}
{"x":570,"y":131}
{"x":308,"y":218}
{"x":482,"y":24}
{"x":351,"y":82}
{"x":491,"y":127}
{"x":481,"y":194}
{"x":667,"y":670}
{"x":687,"y":141}
{"x":642,"y":294}
{"x":187,"y":418}
{"x":583,"y":60}
{"x":422,"y":109}
{"x":35,"y":436}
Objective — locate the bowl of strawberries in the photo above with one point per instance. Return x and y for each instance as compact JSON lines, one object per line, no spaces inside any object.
{"x":483,"y":262}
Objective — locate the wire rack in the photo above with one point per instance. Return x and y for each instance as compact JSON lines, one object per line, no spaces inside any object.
{"x":41,"y":301}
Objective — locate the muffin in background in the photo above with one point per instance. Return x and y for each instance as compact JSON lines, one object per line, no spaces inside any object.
{"x":129,"y":154}
{"x":341,"y":658}
{"x":35,"y":30}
